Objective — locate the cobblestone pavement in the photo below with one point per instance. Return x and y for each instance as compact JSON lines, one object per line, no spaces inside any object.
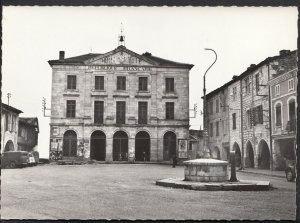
{"x":123,"y":191}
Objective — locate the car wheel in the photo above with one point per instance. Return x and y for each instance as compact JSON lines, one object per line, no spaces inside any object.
{"x":289,"y":175}
{"x":12,"y":165}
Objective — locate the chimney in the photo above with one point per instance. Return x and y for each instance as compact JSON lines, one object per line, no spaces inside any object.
{"x":251,"y":65}
{"x":61,"y":55}
{"x":234,"y":76}
{"x":283,"y":52}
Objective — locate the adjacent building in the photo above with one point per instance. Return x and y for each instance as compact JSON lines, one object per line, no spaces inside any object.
{"x":283,"y":93}
{"x":9,"y":128}
{"x":28,"y":134}
{"x":119,"y":105}
{"x":259,"y":137}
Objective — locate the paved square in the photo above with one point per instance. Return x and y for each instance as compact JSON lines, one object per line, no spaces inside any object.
{"x":123,"y":191}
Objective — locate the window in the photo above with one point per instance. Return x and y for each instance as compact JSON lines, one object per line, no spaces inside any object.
{"x":143,"y":83}
{"x":210,"y":107}
{"x":217,"y":106}
{"x":217,"y":128}
{"x":13,"y":123}
{"x":120,"y":112}
{"x":99,"y":82}
{"x":257,"y":82}
{"x":224,"y":128}
{"x":98,"y":112}
{"x":277,"y":90}
{"x":169,"y":84}
{"x":291,"y":85}
{"x":71,"y":108}
{"x":247,"y":85}
{"x":211,"y":133}
{"x":249,"y":118}
{"x":142,"y":110}
{"x":292,"y":110}
{"x":121,"y":83}
{"x":6,"y":122}
{"x":278,"y":120}
{"x":71,"y":83}
{"x":234,"y":121}
{"x":169,"y":110}
{"x":234,"y":93}
{"x":258,"y":115}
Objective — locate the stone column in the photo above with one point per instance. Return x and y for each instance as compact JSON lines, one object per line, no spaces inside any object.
{"x":109,"y":149}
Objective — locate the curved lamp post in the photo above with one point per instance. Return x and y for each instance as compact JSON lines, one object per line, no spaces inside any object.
{"x":205,"y":119}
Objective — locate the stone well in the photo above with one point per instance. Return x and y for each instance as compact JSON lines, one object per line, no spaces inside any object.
{"x":205,"y":170}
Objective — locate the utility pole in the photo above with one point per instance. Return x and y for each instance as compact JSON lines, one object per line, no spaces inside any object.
{"x":8,"y":96}
{"x":205,"y":118}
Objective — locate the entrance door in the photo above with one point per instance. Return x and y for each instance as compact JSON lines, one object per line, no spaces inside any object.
{"x":70,"y":143}
{"x":142,"y":146}
{"x":98,"y":144}
{"x":120,"y":146}
{"x":169,"y":145}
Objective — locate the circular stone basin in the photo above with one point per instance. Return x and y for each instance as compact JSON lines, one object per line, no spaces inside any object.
{"x":205,"y":170}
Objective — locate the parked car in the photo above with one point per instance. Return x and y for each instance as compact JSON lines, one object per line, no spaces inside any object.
{"x":33,"y":158}
{"x":290,"y":170}
{"x":13,"y":159}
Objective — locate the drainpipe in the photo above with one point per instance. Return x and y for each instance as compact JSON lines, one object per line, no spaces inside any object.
{"x":242,"y":129}
{"x":270,"y":121}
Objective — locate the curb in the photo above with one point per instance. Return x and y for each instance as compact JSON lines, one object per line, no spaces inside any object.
{"x":263,"y":174}
{"x":222,"y":186}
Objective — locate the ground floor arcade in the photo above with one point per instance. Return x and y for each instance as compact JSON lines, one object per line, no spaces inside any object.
{"x":117,"y":144}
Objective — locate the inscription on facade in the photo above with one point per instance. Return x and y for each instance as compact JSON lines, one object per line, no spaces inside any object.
{"x":118,"y":68}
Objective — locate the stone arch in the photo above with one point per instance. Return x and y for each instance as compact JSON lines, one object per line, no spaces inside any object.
{"x":142,"y":146}
{"x":264,"y":157}
{"x":215,"y":153}
{"x":249,"y":159}
{"x":9,"y":146}
{"x":120,"y":146}
{"x":98,"y":145}
{"x":238,"y":156}
{"x":70,"y":143}
{"x":170,"y":145}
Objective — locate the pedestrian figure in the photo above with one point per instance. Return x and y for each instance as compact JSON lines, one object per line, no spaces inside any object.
{"x":174,"y":161}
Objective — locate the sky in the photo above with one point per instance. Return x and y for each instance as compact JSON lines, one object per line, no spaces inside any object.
{"x":240,"y":35}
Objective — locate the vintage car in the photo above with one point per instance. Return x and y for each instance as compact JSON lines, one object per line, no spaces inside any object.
{"x":13,"y":159}
{"x":290,"y":170}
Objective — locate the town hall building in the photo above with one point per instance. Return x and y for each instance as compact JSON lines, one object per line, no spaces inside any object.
{"x":119,"y":106}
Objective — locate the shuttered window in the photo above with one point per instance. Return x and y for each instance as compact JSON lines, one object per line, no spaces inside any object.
{"x":142,"y":113}
{"x":99,"y":83}
{"x":71,"y":82}
{"x":120,"y":112}
{"x":169,"y":110}
{"x":143,"y":83}
{"x":121,"y":83}
{"x":71,"y":108}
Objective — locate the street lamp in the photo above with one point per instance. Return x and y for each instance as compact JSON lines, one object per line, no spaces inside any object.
{"x":205,"y":119}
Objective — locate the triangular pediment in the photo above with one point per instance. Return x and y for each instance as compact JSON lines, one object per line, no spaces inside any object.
{"x":120,"y":56}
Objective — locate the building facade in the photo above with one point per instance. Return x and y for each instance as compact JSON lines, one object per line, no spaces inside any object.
{"x":9,"y":128}
{"x":251,"y":117}
{"x":28,"y":134}
{"x":119,"y":106}
{"x":283,"y":91}
{"x":218,"y":114}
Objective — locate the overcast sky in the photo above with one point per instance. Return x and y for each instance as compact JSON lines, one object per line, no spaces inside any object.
{"x":34,"y":35}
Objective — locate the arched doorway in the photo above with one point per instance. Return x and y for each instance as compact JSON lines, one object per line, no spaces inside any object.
{"x":120,"y":146}
{"x":263,"y":159}
{"x":238,"y":156}
{"x":98,"y":146}
{"x":9,"y":146}
{"x":142,"y":146}
{"x":169,"y":145}
{"x":70,"y":143}
{"x":249,"y":162}
{"x":215,"y":153}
